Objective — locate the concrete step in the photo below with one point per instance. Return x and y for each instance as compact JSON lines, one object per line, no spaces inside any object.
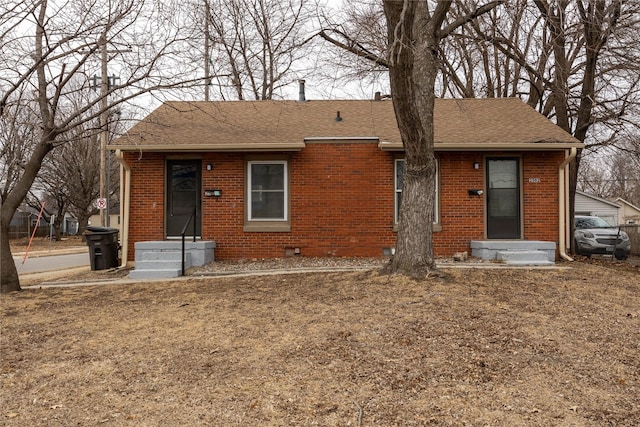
{"x":513,"y":257}
{"x":160,"y":264}
{"x":155,"y":273}
{"x":531,"y":263}
{"x":488,"y":249}
{"x":201,"y":252}
{"x":143,"y":255}
{"x":163,"y":259}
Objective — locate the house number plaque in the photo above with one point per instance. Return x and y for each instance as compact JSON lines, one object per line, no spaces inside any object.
{"x":534,"y":180}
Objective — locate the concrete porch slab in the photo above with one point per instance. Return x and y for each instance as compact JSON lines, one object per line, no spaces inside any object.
{"x":489,"y":249}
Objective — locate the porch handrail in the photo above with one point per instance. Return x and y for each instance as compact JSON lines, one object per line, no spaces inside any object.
{"x":193,"y":217}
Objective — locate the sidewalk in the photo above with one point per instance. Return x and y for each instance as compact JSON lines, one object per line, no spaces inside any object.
{"x":222,"y":269}
{"x":54,"y":251}
{"x":30,"y":278}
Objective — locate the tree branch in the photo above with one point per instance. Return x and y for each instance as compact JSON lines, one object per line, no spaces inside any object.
{"x":353,"y":47}
{"x":463,"y":19}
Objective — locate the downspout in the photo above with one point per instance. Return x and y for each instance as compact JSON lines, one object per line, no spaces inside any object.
{"x":125,"y":201}
{"x":564,"y":203}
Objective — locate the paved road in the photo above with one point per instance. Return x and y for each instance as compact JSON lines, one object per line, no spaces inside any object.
{"x":51,"y":263}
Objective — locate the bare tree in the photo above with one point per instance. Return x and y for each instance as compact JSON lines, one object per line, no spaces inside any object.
{"x":625,"y":171}
{"x":616,"y":174}
{"x":415,"y":31}
{"x":585,"y":74}
{"x":69,"y":179}
{"x":576,"y":62}
{"x":359,"y":31}
{"x":593,"y":177}
{"x":473,"y":67}
{"x":256,"y":45}
{"x":47,"y":48}
{"x":81,"y":162}
{"x":17,"y":134}
{"x":54,"y":207}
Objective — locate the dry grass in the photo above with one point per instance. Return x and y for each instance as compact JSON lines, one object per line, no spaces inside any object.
{"x":477,"y":347}
{"x":39,"y":244}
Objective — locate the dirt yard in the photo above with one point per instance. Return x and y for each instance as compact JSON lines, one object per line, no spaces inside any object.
{"x":43,"y":244}
{"x":477,"y":347}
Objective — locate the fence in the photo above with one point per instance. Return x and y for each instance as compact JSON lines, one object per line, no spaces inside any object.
{"x":22,"y":225}
{"x":634,"y":235}
{"x":24,"y":232}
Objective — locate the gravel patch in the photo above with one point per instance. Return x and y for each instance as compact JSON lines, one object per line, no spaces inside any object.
{"x":287,"y":264}
{"x":312,"y":263}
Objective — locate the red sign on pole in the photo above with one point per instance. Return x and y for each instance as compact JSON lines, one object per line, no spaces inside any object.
{"x":101,"y":203}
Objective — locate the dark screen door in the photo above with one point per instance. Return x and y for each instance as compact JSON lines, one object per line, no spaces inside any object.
{"x":503,"y":198}
{"x":183,"y":196}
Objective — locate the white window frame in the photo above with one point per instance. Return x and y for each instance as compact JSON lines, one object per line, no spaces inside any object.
{"x":285,"y":190}
{"x":398,"y":191}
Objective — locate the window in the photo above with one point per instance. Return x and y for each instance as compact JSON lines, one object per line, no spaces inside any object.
{"x":267,"y":193}
{"x":399,"y":174}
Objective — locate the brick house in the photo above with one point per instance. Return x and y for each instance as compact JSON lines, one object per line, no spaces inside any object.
{"x":324,"y":178}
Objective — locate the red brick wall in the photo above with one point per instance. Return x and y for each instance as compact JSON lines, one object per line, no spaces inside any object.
{"x":329,"y":214}
{"x":541,"y":221}
{"x":462,"y":216}
{"x":341,"y":201}
{"x":146,"y":219}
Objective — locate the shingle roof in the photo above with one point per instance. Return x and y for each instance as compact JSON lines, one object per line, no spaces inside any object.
{"x":261,"y":125}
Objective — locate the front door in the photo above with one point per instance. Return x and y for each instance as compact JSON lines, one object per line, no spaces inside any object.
{"x":183,"y":196}
{"x":503,"y":198}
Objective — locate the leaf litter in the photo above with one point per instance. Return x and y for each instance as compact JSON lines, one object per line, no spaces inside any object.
{"x":476,"y":346}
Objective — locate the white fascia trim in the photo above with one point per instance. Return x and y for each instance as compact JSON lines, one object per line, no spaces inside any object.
{"x":525,"y":146}
{"x":293,"y":146}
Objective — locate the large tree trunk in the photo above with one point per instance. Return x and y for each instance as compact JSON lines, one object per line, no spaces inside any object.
{"x":414,"y":42}
{"x":57,"y":226}
{"x":9,"y":277}
{"x":9,"y":281}
{"x":83,"y":222}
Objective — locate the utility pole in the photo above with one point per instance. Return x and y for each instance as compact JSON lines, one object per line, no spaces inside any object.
{"x":207,"y":59}
{"x":105,"y":85}
{"x":104,"y":118}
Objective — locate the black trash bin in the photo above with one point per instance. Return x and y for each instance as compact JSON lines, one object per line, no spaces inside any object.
{"x":103,"y":247}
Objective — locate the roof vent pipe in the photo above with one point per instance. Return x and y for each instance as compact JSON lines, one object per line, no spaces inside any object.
{"x":301,"y":96}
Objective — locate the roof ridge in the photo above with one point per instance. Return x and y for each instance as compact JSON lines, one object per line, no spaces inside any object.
{"x":460,"y":123}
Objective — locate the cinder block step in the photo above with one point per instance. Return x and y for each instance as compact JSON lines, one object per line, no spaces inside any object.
{"x":143,"y":255}
{"x":488,"y":249}
{"x":512,"y":257}
{"x":531,"y":263}
{"x":161,"y":265}
{"x":155,"y":273}
{"x":202,"y":252}
{"x":163,"y":259}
